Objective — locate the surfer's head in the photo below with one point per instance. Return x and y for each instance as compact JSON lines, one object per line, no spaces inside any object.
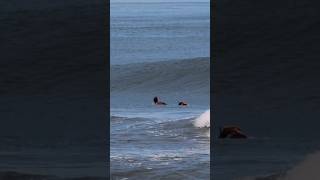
{"x":156,"y":100}
{"x":182,"y":103}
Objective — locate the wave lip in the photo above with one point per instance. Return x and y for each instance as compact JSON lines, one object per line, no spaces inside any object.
{"x":203,"y":120}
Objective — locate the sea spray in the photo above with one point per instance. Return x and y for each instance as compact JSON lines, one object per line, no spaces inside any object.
{"x":203,"y":120}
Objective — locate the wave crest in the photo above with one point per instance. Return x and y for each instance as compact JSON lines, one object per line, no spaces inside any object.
{"x":203,"y":120}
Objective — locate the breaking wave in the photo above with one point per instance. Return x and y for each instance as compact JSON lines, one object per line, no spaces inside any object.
{"x":203,"y":120}
{"x":179,"y":127}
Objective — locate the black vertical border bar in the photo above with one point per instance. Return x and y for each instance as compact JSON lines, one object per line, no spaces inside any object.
{"x":212,"y":60}
{"x":106,"y":24}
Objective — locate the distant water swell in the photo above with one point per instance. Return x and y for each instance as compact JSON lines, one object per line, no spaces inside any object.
{"x":188,"y":75}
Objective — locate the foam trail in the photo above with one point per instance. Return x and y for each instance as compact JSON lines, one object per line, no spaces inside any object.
{"x":203,"y":120}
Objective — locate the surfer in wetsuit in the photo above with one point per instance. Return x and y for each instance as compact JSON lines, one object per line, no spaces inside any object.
{"x":182,"y":103}
{"x":158,"y":102}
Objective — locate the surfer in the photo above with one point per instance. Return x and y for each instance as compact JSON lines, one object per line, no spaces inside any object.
{"x":231,"y":132}
{"x":182,"y":103}
{"x":158,"y":102}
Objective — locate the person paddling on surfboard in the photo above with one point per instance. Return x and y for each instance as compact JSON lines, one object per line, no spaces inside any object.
{"x":183,"y":103}
{"x":157,"y":101}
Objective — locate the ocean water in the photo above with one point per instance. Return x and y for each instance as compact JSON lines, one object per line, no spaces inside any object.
{"x":160,"y":49}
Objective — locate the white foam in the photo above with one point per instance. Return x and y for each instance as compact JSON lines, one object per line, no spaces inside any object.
{"x":203,"y":120}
